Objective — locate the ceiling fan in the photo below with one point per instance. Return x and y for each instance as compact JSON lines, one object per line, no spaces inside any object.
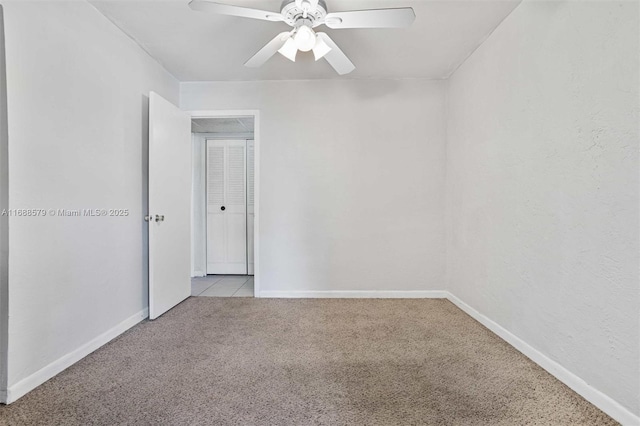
{"x":303,"y":16}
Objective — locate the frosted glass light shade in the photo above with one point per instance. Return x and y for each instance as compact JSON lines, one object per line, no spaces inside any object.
{"x":305,"y":38}
{"x":289,"y":50}
{"x":320,"y":49}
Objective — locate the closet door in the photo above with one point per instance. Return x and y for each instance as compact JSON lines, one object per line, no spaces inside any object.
{"x":226,"y":207}
{"x":250,"y":210}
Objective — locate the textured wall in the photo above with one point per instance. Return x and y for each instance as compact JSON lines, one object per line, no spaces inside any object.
{"x":77,"y":99}
{"x":351,"y":180}
{"x":542,"y":180}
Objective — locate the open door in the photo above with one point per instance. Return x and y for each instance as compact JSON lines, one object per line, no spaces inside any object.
{"x":169,"y":205}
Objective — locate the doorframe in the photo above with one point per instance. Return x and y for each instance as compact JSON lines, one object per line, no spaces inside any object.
{"x":223,"y":113}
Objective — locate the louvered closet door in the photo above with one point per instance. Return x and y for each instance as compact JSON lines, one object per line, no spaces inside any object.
{"x":226,"y":207}
{"x":250,"y":209}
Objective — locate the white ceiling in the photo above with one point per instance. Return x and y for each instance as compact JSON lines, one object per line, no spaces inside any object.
{"x":227,"y":125}
{"x":196,"y":46}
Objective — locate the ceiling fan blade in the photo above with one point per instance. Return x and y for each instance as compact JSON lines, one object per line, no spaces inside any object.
{"x":373,"y":18}
{"x":226,"y":9}
{"x":268,"y":51}
{"x":336,"y":57}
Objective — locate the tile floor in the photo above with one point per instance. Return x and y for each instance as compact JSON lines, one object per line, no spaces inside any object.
{"x":222,"y":286}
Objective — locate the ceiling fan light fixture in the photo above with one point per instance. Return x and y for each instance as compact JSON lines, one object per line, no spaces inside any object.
{"x":289,"y":50}
{"x":305,"y":38}
{"x":320,"y":49}
{"x":304,"y":15}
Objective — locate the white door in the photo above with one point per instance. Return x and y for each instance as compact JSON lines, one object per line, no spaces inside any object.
{"x":169,"y":205}
{"x":250,"y":209}
{"x":226,"y":207}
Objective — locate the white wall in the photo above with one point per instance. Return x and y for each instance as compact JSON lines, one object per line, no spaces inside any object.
{"x":351,"y":181}
{"x":4,"y":220}
{"x":198,"y":206}
{"x":542,"y":185}
{"x":77,"y":99}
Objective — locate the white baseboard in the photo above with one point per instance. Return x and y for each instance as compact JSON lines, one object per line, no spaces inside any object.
{"x":356,"y":294}
{"x":594,"y":396}
{"x":198,"y":274}
{"x":39,"y":377}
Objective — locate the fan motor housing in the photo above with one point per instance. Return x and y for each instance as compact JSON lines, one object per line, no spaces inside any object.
{"x":292,"y":13}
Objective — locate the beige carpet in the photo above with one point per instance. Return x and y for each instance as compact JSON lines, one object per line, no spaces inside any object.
{"x":305,"y":362}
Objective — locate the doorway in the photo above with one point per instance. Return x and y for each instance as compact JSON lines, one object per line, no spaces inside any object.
{"x":224,"y":204}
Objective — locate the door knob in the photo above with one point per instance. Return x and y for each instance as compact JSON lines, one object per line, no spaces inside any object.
{"x":159,"y":218}
{"x":223,"y":208}
{"x":147,"y":218}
